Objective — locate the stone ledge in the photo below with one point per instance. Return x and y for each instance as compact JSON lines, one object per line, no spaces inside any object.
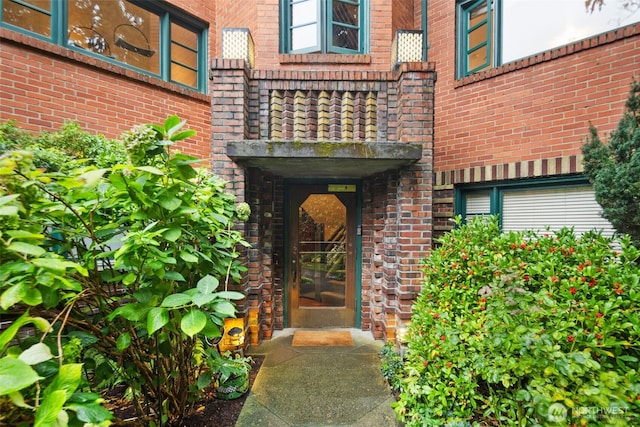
{"x":312,"y":159}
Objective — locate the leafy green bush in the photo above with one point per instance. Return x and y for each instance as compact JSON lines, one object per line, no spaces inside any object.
{"x":64,"y":149}
{"x":130,"y":262}
{"x":524,"y":329}
{"x":391,"y":365}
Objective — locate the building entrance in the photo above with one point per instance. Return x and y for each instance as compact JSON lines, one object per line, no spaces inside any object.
{"x":321,"y":283}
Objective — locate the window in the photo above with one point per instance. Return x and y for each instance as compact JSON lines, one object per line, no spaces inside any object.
{"x":494,"y":32}
{"x":476,"y":31}
{"x":142,"y":35}
{"x":323,"y":26}
{"x":532,"y":206}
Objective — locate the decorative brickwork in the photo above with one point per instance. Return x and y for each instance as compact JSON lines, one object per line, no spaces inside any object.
{"x":445,"y":181}
{"x":339,"y":106}
{"x":309,"y":115}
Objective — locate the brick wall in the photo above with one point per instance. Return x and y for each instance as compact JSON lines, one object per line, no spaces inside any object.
{"x":262,"y":19}
{"x":237,"y":14}
{"x":528,"y":118}
{"x":534,"y":108}
{"x":404,"y":15}
{"x":42,"y":85}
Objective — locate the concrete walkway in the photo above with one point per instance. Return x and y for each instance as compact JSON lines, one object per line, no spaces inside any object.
{"x":319,"y":386}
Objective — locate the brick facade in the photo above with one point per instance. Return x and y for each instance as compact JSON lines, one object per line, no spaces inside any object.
{"x":521,"y":120}
{"x":396,"y":206}
{"x":524,"y":119}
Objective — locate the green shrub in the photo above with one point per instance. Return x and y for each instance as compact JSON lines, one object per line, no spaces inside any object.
{"x":64,"y":149}
{"x":130,"y":261}
{"x":524,"y":329}
{"x":391,"y":365}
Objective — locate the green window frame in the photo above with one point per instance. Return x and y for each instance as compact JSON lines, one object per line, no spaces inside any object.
{"x":490,"y":33}
{"x":478,"y":34}
{"x":324,"y":26}
{"x":489,"y":199}
{"x":152,"y":37}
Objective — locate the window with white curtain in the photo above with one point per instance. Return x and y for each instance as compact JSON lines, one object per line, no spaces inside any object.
{"x":533,"y":205}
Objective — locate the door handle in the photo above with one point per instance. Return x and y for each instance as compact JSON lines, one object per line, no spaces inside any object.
{"x":294,"y":265}
{"x":294,"y":272}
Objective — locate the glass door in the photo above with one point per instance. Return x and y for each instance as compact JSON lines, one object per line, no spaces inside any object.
{"x":321,"y":282}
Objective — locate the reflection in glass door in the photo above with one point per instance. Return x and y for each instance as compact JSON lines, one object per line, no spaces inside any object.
{"x":322,"y":250}
{"x":322,"y":257}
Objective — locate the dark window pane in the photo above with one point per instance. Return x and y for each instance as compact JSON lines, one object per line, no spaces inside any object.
{"x":346,"y":25}
{"x":33,"y":15}
{"x":345,"y":37}
{"x":346,"y":13}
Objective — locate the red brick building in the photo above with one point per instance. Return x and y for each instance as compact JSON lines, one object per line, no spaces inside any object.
{"x":354,"y":129}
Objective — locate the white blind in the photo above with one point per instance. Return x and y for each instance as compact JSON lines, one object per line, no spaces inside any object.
{"x":557,"y":207}
{"x":478,"y":204}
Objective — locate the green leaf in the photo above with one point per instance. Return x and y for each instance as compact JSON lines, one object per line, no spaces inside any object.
{"x":91,"y":413}
{"x":150,"y":169}
{"x":91,"y":178}
{"x":183,"y":135}
{"x":15,"y":375}
{"x":8,"y":198}
{"x":8,"y":334}
{"x":200,"y":299}
{"x":8,"y":210}
{"x":188,"y":257}
{"x":170,"y":203}
{"x":224,"y":309}
{"x":13,"y":295}
{"x":193,"y":322}
{"x":173,"y":275}
{"x":204,"y":380}
{"x":22,"y":234}
{"x":172,"y":123}
{"x":132,"y":312}
{"x":55,"y":264}
{"x":129,"y":278}
{"x":208,"y":284}
{"x":176,"y":300}
{"x":85,"y":397}
{"x":156,"y":319}
{"x":124,"y":341}
{"x":211,"y":330}
{"x":18,"y":399}
{"x":230,"y":295}
{"x":173,"y":234}
{"x":32,"y":297}
{"x":26,"y":249}
{"x":35,"y":354}
{"x":68,"y":379}
{"x":48,"y":411}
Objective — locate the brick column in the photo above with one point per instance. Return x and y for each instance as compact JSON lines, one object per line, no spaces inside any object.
{"x":229,"y":90}
{"x":414,"y":190}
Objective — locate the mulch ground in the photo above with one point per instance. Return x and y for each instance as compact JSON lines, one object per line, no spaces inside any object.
{"x":209,"y":410}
